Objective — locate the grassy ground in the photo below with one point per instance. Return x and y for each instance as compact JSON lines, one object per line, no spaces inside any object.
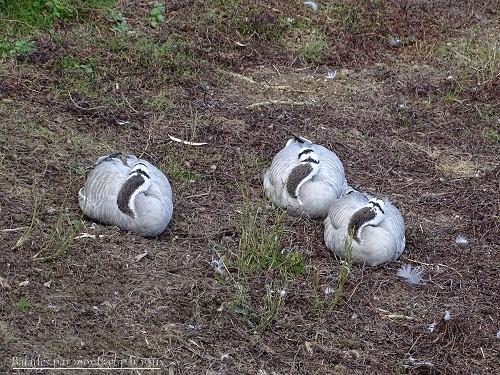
{"x":406,"y":93}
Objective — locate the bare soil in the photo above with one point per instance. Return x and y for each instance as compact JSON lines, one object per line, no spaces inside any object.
{"x":410,"y":122}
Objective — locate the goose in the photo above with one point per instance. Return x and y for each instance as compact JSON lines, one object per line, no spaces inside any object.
{"x":374,"y":227}
{"x":305,"y":178}
{"x":128,"y":192}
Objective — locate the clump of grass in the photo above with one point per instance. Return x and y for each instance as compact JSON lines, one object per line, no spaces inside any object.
{"x":272,"y":302}
{"x":348,"y":17}
{"x":261,"y":245}
{"x":474,"y":58}
{"x":261,"y":256}
{"x":267,"y":306}
{"x":345,"y":271}
{"x":61,"y":235}
{"x":29,"y":14}
{"x":309,"y":44}
{"x":332,"y":295}
{"x":247,"y":20}
{"x":60,"y":238}
{"x":6,"y":333}
{"x":175,"y":167}
{"x":315,"y":47}
{"x":491,"y":135}
{"x":23,"y":304}
{"x":35,"y":219}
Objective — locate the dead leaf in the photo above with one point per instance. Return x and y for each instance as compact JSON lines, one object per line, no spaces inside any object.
{"x":24,"y":283}
{"x":309,"y":347}
{"x":142,"y":255}
{"x":4,"y":284}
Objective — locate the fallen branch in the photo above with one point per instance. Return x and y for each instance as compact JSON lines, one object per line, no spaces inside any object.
{"x":270,"y":102}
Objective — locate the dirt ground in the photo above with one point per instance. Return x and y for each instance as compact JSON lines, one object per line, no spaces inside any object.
{"x":412,"y":110}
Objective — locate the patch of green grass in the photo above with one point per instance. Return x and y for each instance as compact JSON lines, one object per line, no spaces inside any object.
{"x":39,"y":131}
{"x":267,"y":307}
{"x":261,"y":256}
{"x":157,"y":102}
{"x":348,"y":17}
{"x":194,"y":123}
{"x":69,"y":62}
{"x":21,"y":18}
{"x":35,"y":220}
{"x":260,"y":249}
{"x":309,"y":44}
{"x":245,"y":19}
{"x":17,"y":48}
{"x":156,"y":14}
{"x":62,"y":233}
{"x":492,"y":136}
{"x":79,"y":78}
{"x":345,"y":271}
{"x":315,"y":47}
{"x":166,"y":59}
{"x":174,"y":167}
{"x":60,"y":238}
{"x":479,"y":56}
{"x":176,"y":172}
{"x":23,"y":304}
{"x":328,"y":300}
{"x":121,"y":25}
{"x":256,"y":22}
{"x":486,"y":111}
{"x":61,"y":349}
{"x":475,"y":57}
{"x":35,"y":14}
{"x":5,"y":332}
{"x":452,"y":95}
{"x":272,"y":302}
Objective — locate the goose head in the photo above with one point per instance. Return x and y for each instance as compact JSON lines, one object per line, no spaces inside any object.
{"x":307,"y":168}
{"x":137,"y":182}
{"x":297,"y":139}
{"x":371,"y":214}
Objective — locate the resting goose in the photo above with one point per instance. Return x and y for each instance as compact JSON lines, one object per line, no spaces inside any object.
{"x":305,"y":178}
{"x":374,"y":227}
{"x":128,"y":192}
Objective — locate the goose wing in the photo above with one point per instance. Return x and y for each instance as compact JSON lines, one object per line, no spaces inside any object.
{"x":343,"y":208}
{"x":275,"y":177}
{"x":102,"y":185}
{"x":394,"y":224}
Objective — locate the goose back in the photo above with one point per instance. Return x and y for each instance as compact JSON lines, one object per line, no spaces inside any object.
{"x":98,"y":197}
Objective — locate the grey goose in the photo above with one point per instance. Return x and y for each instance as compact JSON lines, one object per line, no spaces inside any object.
{"x":305,"y":178}
{"x":128,"y":192}
{"x":374,"y":227}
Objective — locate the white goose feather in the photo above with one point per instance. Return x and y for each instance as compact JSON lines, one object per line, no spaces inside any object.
{"x":374,"y":227}
{"x":305,"y":178}
{"x":128,"y":192}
